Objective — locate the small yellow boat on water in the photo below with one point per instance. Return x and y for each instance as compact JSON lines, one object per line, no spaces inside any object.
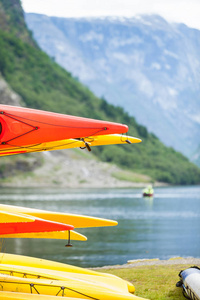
{"x":148,"y":191}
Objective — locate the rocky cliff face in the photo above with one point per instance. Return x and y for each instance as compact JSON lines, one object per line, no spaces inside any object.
{"x":7,"y":95}
{"x":146,"y":65}
{"x":12,"y":20}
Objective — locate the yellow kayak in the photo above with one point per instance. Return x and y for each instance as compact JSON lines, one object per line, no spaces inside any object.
{"x":50,"y":267}
{"x":12,"y":217}
{"x":85,"y":288}
{"x":9,"y":217}
{"x":24,"y":296}
{"x":27,"y":261}
{"x":111,"y":139}
{"x":91,"y":141}
{"x":78,"y":221}
{"x":111,"y":282}
{"x":61,"y":235}
{"x":27,"y":276}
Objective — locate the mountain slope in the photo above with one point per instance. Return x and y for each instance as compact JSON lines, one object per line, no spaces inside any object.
{"x":148,"y":66}
{"x":43,"y":84}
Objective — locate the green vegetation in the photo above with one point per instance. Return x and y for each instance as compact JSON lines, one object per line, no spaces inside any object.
{"x":43,"y":84}
{"x":153,"y":282}
{"x":18,"y":164}
{"x":131,"y":176}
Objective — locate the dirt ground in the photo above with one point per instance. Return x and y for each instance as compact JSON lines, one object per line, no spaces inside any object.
{"x":72,"y":169}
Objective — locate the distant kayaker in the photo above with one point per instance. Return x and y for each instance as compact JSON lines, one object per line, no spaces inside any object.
{"x":148,"y":191}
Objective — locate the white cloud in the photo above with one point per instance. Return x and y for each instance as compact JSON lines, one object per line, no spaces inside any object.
{"x":181,"y":11}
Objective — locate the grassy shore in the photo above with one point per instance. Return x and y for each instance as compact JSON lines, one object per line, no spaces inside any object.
{"x":154,"y":282}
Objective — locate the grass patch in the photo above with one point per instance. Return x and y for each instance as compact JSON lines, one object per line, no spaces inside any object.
{"x":132,"y":177}
{"x":153,"y":282}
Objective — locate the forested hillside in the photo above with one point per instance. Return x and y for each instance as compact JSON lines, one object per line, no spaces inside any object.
{"x":42,"y":84}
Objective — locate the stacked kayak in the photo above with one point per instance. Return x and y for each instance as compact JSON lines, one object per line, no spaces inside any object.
{"x":24,"y":130}
{"x":23,"y":126}
{"x":26,"y":276}
{"x":23,"y":222}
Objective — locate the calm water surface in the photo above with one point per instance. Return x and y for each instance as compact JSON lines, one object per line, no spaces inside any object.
{"x":166,"y":226}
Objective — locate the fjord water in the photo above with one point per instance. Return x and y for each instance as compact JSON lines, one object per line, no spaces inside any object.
{"x":165,"y":226}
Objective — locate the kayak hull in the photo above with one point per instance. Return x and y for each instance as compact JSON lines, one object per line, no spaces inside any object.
{"x":31,"y":276}
{"x":54,"y":235}
{"x":78,"y":221}
{"x":23,"y":126}
{"x":24,"y":296}
{"x":92,"y":141}
{"x":8,"y":217}
{"x":38,"y":225}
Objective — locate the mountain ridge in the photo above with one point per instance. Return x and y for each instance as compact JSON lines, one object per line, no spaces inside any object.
{"x":145,"y":64}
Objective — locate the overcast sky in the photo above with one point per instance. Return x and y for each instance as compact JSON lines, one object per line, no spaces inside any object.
{"x":181,"y":11}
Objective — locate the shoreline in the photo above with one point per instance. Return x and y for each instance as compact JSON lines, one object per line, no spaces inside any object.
{"x":67,"y":169}
{"x":118,"y":185}
{"x":153,"y":262}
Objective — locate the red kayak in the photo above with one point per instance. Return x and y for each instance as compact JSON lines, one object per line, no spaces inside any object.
{"x":23,"y":126}
{"x":39,"y":225}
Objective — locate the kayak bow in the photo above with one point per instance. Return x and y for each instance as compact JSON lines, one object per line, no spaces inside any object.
{"x":21,"y":126}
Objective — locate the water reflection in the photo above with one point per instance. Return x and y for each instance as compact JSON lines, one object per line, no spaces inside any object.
{"x":148,"y":201}
{"x":164,"y":226}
